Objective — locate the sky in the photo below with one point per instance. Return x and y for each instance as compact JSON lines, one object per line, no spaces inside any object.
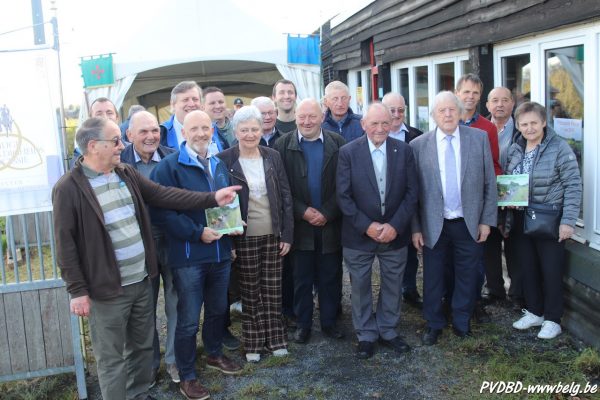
{"x":102,"y":26}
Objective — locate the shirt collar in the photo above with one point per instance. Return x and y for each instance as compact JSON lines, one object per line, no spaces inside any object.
{"x":403,"y":128}
{"x":470,"y":121}
{"x":300,"y":137}
{"x":381,"y":148}
{"x":439,"y":135}
{"x":155,"y":156}
{"x":194,"y":156}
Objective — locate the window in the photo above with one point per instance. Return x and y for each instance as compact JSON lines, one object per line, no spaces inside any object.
{"x":404,"y":89}
{"x":422,"y":97}
{"x":445,"y":76}
{"x":564,"y":97}
{"x":516,"y":76}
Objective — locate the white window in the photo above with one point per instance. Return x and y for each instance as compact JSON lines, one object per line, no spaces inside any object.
{"x":419,"y":80}
{"x":561,"y":70}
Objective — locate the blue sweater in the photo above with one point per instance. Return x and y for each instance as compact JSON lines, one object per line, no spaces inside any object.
{"x":184,"y":228}
{"x":313,"y":155}
{"x":350,"y":129}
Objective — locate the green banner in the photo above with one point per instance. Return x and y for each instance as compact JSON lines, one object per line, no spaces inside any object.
{"x":97,"y":71}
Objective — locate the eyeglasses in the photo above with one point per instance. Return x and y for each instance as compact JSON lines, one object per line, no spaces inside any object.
{"x":398,"y":110}
{"x":268,"y":114}
{"x":115,"y":141}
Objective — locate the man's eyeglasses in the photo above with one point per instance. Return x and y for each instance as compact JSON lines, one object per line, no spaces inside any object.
{"x":115,"y":141}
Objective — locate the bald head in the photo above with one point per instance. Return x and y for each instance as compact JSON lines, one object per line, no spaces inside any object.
{"x":500,"y":103}
{"x":309,"y":117}
{"x":197,"y":130}
{"x":144,"y":134}
{"x":397,"y":106}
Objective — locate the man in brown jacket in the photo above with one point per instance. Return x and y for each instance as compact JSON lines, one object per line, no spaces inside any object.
{"x":106,"y":253}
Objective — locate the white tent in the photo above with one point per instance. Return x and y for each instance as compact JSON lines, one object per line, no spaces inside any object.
{"x":213,"y":43}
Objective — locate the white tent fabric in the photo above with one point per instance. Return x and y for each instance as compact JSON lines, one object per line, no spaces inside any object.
{"x":185,"y":32}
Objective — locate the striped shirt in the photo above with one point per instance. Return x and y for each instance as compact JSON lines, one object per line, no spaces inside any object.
{"x":121,"y":223}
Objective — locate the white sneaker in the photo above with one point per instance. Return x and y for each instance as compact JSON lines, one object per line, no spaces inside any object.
{"x":236,"y":307}
{"x":280,"y":353}
{"x":252,"y":357}
{"x":549,"y":330}
{"x":528,"y":320}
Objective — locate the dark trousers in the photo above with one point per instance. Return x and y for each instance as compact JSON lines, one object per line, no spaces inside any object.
{"x":454,"y":243}
{"x":312,"y":267}
{"x":287,"y":287}
{"x":409,"y":282}
{"x":542,"y":264}
{"x":492,"y":253}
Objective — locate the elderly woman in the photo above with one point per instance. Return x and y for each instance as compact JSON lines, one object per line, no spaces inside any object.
{"x":554,"y":183}
{"x":266,"y":206}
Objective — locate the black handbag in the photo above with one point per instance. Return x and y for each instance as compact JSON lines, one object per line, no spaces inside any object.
{"x":542,"y":220}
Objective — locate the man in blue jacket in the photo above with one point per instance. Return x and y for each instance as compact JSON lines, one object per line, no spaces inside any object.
{"x":339,"y":116}
{"x":200,"y":257}
{"x":186,"y":97}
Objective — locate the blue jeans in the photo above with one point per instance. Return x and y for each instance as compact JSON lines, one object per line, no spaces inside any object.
{"x":200,"y":284}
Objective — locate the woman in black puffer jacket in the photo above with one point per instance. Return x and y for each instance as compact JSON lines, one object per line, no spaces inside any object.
{"x":554,"y":180}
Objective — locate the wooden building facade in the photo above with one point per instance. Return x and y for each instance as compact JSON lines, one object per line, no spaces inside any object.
{"x":543,"y":50}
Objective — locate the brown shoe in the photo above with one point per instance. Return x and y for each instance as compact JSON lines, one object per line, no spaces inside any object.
{"x":193,"y":390}
{"x":223,"y":364}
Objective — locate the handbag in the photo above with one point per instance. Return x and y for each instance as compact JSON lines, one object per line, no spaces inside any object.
{"x":542,"y":220}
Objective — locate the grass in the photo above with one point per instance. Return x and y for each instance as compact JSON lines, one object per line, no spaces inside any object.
{"x":58,"y":387}
{"x":36,"y":274}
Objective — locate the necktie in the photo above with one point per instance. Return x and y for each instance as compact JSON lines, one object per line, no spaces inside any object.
{"x":452,"y":199}
{"x":206,"y":164}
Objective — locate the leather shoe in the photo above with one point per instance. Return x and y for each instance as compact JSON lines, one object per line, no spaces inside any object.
{"x":301,"y":335}
{"x":223,"y":364}
{"x":461,"y":334}
{"x":480,"y":314}
{"x":364,"y":350}
{"x":397,"y":343}
{"x":431,"y":336}
{"x":193,"y":390}
{"x":332,"y":332}
{"x":413,"y":298}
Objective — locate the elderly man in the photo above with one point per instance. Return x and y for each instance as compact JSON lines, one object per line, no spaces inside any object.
{"x":457,"y":206}
{"x":400,"y":130}
{"x":216,"y":107}
{"x":186,"y":97}
{"x":284,"y":96}
{"x":469,"y":89}
{"x":144,"y":153}
{"x":339,"y":116}
{"x":125,"y":125}
{"x":269,"y":115}
{"x":310,"y":157}
{"x":377,"y":194}
{"x":500,"y":103}
{"x":199,"y":257}
{"x":106,"y":253}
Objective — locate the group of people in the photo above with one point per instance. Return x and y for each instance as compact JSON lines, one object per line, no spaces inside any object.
{"x":318,"y":187}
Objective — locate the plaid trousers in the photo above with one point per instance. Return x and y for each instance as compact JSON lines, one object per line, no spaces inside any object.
{"x":260,"y":285}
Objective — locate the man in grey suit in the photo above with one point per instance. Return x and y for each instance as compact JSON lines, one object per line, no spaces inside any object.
{"x":377,"y":194}
{"x":457,"y":206}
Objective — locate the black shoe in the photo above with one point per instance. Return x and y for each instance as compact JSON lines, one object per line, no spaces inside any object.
{"x":461,"y":334}
{"x":431,"y":336}
{"x":289,"y":322}
{"x":413,"y":298}
{"x":364,"y":350}
{"x":492,"y":299}
{"x":397,"y":343}
{"x":230,"y":342}
{"x":480,"y":315}
{"x":302,"y":335}
{"x":332,"y":332}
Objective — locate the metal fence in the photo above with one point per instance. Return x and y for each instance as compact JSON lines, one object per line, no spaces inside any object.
{"x":38,"y":335}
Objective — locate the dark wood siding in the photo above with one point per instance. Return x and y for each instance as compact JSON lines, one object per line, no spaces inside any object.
{"x":404,"y":29}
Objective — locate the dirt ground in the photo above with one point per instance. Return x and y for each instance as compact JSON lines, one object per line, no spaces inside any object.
{"x":328,"y":369}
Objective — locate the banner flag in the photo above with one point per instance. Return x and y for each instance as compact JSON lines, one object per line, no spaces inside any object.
{"x":304,"y":50}
{"x":97,"y":71}
{"x":30,"y":155}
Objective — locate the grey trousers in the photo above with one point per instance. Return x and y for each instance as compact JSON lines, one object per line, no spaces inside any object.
{"x":370,"y":326}
{"x":121,"y":331}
